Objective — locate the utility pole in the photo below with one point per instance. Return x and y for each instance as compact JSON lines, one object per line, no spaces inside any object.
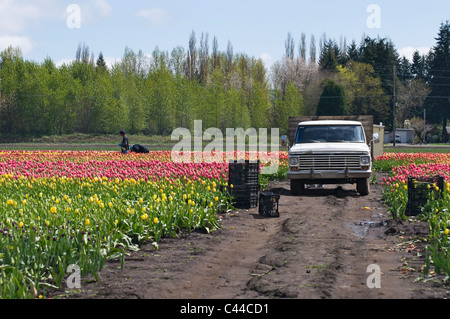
{"x":394,"y":105}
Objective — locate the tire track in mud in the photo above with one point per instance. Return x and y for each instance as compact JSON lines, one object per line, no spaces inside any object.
{"x":317,"y":248}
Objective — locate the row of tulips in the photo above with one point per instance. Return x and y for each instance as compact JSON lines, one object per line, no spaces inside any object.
{"x":84,"y":208}
{"x":164,"y":156}
{"x":422,"y":167}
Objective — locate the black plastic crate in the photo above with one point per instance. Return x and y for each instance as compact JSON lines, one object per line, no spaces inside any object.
{"x":240,"y":173}
{"x":243,"y":188}
{"x":419,"y":193}
{"x":268,"y":204}
{"x":245,"y":203}
{"x":244,"y":191}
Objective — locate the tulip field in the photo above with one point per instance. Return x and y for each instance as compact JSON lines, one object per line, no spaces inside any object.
{"x":436,"y":211}
{"x":83,"y":208}
{"x":61,"y":208}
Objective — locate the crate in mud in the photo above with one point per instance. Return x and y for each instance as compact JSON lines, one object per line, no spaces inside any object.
{"x":245,"y":203}
{"x":244,"y":196}
{"x":241,"y":173}
{"x":268,"y":204}
{"x":419,"y":191}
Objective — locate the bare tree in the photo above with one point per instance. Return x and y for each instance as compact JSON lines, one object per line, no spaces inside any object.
{"x":312,"y":50}
{"x":289,"y":46}
{"x":411,"y":96}
{"x":204,"y":57}
{"x":420,"y":129}
{"x":83,"y":53}
{"x":215,"y":53}
{"x":322,"y":43}
{"x":191,"y":57}
{"x":296,"y":71}
{"x":302,"y":47}
{"x":230,"y":57}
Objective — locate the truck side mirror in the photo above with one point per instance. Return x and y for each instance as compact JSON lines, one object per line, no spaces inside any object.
{"x":376,"y":138}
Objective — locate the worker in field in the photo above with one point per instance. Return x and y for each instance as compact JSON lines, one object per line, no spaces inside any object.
{"x":125,"y":146}
{"x":137,"y":148}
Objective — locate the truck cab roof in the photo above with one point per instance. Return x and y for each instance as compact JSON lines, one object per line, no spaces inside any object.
{"x":329,"y":122}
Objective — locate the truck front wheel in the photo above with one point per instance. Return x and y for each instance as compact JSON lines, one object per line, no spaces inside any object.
{"x":363,"y":186}
{"x":297,"y":187}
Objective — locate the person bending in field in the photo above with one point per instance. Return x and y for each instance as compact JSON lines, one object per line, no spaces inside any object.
{"x":125,"y":146}
{"x":137,"y":148}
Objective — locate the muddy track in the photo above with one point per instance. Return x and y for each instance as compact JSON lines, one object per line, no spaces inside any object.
{"x":319,"y":248}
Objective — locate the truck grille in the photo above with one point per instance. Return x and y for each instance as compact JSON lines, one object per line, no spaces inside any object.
{"x":329,"y":162}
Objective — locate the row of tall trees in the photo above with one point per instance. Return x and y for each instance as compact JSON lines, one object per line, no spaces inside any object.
{"x":154,"y":94}
{"x":141,"y":94}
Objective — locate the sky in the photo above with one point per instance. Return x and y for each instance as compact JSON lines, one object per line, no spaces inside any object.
{"x":51,"y":28}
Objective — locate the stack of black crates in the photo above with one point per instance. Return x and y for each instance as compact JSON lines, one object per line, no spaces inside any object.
{"x":243,"y":183}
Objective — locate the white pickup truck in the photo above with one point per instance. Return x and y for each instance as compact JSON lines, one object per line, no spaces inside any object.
{"x":330,"y":152}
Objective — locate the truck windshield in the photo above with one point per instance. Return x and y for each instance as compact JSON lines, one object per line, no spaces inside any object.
{"x":330,"y":134}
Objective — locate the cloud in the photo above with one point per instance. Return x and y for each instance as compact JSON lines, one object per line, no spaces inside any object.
{"x":267,"y":59}
{"x":103,"y":6}
{"x":16,"y":17}
{"x":155,"y":16}
{"x":24,"y":43}
{"x":408,"y":52}
{"x":110,"y":61}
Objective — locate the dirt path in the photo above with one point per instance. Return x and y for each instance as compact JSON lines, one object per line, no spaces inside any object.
{"x":319,"y":247}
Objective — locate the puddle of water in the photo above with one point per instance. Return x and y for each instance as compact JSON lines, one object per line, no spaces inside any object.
{"x":361,"y":229}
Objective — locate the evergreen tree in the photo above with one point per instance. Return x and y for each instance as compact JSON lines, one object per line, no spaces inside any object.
{"x":329,"y":58}
{"x":383,"y":57}
{"x":438,"y":102}
{"x":404,"y":70}
{"x":352,"y":52}
{"x":418,"y":66}
{"x":101,"y":64}
{"x":332,"y":101}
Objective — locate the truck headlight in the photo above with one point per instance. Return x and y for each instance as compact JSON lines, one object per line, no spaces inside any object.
{"x":293,"y":161}
{"x":365,"y":160}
